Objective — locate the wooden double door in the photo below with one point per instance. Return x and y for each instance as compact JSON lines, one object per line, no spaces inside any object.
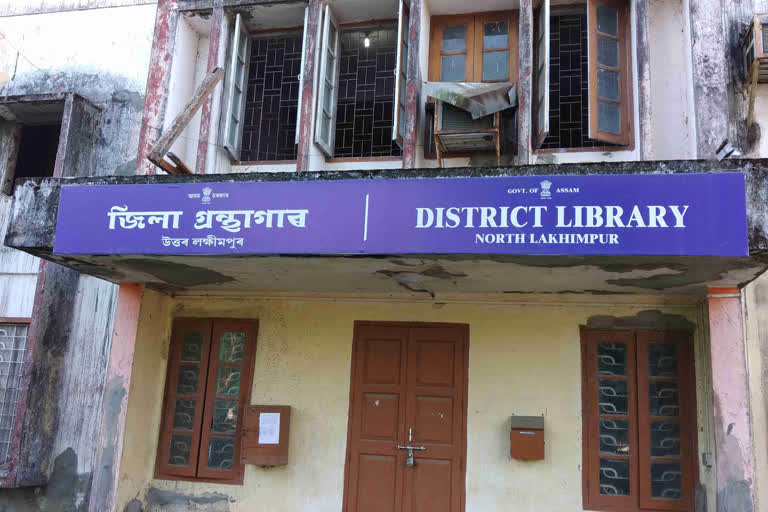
{"x":408,"y":389}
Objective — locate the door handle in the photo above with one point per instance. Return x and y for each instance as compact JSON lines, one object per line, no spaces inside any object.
{"x":409,"y":457}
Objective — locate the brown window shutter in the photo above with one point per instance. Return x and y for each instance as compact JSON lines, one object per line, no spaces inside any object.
{"x":251,"y":451}
{"x":233,"y":347}
{"x":609,"y":420}
{"x":610,"y":64}
{"x":183,"y":407}
{"x":667,"y":420}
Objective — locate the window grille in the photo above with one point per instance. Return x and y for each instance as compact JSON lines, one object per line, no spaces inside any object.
{"x":13,"y":344}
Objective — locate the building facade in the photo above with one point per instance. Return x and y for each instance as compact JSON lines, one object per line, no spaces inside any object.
{"x":396,"y":255}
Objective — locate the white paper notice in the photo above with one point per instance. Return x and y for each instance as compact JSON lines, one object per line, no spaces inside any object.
{"x":269,"y":428}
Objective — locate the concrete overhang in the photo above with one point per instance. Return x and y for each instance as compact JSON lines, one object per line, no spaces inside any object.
{"x":32,"y":228}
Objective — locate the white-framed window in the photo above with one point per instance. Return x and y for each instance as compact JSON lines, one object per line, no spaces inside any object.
{"x":589,"y":103}
{"x":238,"y":78}
{"x":361,"y":91}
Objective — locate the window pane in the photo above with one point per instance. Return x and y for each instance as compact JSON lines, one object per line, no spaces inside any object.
{"x":324,"y":127}
{"x":495,"y":35}
{"x":452,"y":68}
{"x":454,"y":38}
{"x":184,"y":415}
{"x":224,"y":416}
{"x":607,"y":20}
{"x":609,"y":117}
{"x":401,"y":122}
{"x":662,"y":360}
{"x":614,"y":477}
{"x":613,"y":397}
{"x":666,"y":480}
{"x":228,"y":381}
{"x":608,"y":52}
{"x":665,"y":439}
{"x":180,"y":447}
{"x":240,"y":74}
{"x":495,"y":65}
{"x":404,"y":63}
{"x":192,"y":346}
{"x":221,"y":452}
{"x":611,"y":359}
{"x":664,"y":398}
{"x":614,"y":437}
{"x":189,"y":375}
{"x":330,"y":68}
{"x":232,"y":346}
{"x":327,"y":99}
{"x":332,"y":37}
{"x":607,"y":84}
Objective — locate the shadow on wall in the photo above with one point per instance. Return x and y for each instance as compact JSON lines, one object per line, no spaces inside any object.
{"x":66,"y":491}
{"x":171,"y":501}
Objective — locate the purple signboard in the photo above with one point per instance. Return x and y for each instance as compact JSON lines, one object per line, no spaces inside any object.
{"x":653,"y":214}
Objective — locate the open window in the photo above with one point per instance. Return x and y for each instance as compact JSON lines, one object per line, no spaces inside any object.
{"x":325,"y":131}
{"x":401,"y":71}
{"x":361,"y":86}
{"x":583,"y":99}
{"x":263,"y":83}
{"x":46,"y":135}
{"x":238,"y":78}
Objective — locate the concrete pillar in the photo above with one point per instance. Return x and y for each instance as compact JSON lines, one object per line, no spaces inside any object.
{"x":709,"y":60}
{"x":734,"y":462}
{"x":160,"y":60}
{"x":642,"y":54}
{"x":208,"y":124}
{"x":115,"y":401}
{"x":412,"y":87}
{"x":525,"y":83}
{"x":308,"y":86}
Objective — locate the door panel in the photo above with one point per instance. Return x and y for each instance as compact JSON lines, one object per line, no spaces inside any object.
{"x":408,"y":388}
{"x":377,"y":486}
{"x":432,"y":486}
{"x":433,"y":419}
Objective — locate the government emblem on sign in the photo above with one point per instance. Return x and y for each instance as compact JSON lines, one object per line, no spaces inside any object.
{"x":545,"y":186}
{"x":207,"y":195}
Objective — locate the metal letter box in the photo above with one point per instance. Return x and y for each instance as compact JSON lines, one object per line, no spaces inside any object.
{"x":526,"y":438}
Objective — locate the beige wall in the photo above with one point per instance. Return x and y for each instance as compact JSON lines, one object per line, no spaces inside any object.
{"x":755,"y":298}
{"x":524,"y":359}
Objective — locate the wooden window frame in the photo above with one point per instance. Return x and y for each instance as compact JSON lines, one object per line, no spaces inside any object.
{"x":197,"y":471}
{"x":627,"y":90}
{"x":640,"y":498}
{"x":474,"y":43}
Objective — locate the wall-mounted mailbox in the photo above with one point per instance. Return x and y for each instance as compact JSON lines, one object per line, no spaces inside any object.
{"x":265,"y":435}
{"x":526,"y":438}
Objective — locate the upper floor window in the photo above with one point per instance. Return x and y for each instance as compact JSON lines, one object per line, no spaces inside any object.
{"x":583,"y":81}
{"x":361,"y":93}
{"x":479,"y":47}
{"x":261,"y":122}
{"x":639,"y":429}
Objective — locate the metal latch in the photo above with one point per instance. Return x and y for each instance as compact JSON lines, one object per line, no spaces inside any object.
{"x":409,"y":458}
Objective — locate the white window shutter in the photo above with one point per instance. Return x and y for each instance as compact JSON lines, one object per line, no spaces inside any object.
{"x":301,"y":73}
{"x":401,"y":70}
{"x":238,"y":79}
{"x":325,"y":129}
{"x":542,"y":73}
